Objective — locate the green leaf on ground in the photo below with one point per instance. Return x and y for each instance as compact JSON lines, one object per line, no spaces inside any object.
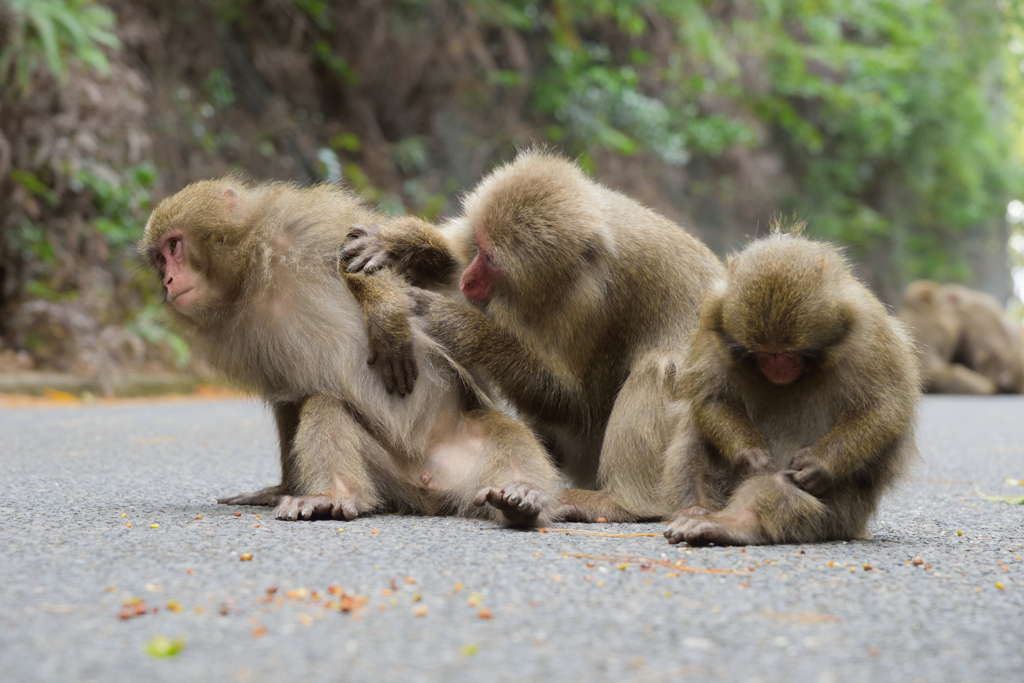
{"x":162,"y":646}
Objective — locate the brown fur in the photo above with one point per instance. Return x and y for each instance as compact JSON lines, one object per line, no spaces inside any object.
{"x":965,"y":341}
{"x":275,"y":315}
{"x":587,"y":327}
{"x":761,"y":462}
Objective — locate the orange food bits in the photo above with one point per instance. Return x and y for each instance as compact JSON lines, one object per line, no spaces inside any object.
{"x":484,"y":613}
{"x":237,"y":514}
{"x":245,"y":557}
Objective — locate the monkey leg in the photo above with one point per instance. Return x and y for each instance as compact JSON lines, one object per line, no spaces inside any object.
{"x":495,"y":467}
{"x":959,"y":379}
{"x":632,"y":459}
{"x":765,"y":509}
{"x":696,"y":482}
{"x":286,"y":415}
{"x":332,"y":480}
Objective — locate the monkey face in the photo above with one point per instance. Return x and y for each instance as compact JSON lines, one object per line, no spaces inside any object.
{"x":482,"y":273}
{"x":188,"y":290}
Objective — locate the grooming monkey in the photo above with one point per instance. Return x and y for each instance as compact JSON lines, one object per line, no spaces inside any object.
{"x":252,"y":281}
{"x":965,"y":342}
{"x":584,"y":303}
{"x":802,"y":392}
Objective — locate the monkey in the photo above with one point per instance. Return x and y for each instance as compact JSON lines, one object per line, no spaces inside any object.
{"x":802,"y":391}
{"x":252,"y":281}
{"x":580,"y":305}
{"x":965,"y":342}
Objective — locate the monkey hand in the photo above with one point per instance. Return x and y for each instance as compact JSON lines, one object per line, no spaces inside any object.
{"x":754,"y":461}
{"x":807,"y":472}
{"x":422,"y":300}
{"x":519,"y":504}
{"x":365,"y":250}
{"x":396,"y":364}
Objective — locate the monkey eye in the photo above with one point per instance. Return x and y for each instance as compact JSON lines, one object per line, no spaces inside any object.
{"x":160,"y":261}
{"x":173,"y":244}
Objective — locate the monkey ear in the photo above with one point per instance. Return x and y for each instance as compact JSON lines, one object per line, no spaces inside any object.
{"x":230,"y":199}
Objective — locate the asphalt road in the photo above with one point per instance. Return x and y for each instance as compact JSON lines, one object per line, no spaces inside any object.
{"x":71,"y":479}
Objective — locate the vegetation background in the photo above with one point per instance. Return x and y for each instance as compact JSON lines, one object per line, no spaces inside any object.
{"x":895,"y":127}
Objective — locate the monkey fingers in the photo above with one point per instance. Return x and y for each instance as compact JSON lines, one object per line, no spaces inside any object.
{"x":365,"y":250}
{"x":269,"y":496}
{"x":520,"y":504}
{"x":754,"y":461}
{"x":420,"y":301}
{"x":809,"y":474}
{"x":398,"y":370}
{"x":331,"y":506}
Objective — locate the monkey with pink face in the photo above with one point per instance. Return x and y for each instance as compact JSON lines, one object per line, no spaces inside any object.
{"x":252,"y":281}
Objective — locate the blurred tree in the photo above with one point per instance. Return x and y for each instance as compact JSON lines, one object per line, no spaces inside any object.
{"x":893,"y":126}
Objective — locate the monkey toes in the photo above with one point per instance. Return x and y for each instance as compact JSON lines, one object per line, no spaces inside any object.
{"x":520,"y":505}
{"x":700,"y":529}
{"x":292,"y":508}
{"x":269,"y":496}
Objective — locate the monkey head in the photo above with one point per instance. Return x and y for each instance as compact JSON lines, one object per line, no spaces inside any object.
{"x":533,"y":229}
{"x":189,"y":240}
{"x":782,"y":309}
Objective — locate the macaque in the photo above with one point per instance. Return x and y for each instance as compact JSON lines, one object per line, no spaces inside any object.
{"x":253,"y":283}
{"x":802,"y":391}
{"x":965,"y":342}
{"x":582,"y":306}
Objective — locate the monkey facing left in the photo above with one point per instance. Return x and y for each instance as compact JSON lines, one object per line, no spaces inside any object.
{"x":252,"y":282}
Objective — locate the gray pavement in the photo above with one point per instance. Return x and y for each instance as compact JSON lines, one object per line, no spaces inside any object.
{"x":72,"y":478}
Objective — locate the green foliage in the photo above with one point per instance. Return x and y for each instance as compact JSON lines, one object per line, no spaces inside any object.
{"x":890,"y":114}
{"x":49,"y":32}
{"x":122,"y":201}
{"x":148,"y":324}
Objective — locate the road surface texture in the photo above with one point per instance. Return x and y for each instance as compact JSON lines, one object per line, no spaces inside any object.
{"x":440,"y":599}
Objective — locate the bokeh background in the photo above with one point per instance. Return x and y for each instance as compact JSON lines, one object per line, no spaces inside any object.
{"x":895,"y":127}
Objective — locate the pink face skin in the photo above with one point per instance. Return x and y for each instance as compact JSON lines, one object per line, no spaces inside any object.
{"x":781,"y":368}
{"x":179,"y":279}
{"x":481,"y":274}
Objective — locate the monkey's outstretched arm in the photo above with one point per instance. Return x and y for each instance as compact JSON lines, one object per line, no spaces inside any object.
{"x":385,"y":303}
{"x":408,"y":245}
{"x":473,"y":339}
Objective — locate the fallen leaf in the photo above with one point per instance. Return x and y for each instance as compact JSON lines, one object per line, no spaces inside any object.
{"x":470,"y":649}
{"x":152,"y":526}
{"x":484,"y":613}
{"x":458,"y":587}
{"x":245,"y":557}
{"x":420,"y":611}
{"x":259,"y":632}
{"x":162,"y":646}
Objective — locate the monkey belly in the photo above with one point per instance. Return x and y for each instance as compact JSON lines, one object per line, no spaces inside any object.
{"x":454,"y":455}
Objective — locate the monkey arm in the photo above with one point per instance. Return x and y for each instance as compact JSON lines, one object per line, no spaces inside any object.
{"x":409,"y":245}
{"x":475,"y":340}
{"x":855,"y":442}
{"x":730,"y":431}
{"x":385,"y":305}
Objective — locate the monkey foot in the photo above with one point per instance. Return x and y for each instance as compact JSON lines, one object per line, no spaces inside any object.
{"x":292,"y":508}
{"x":518,"y":503}
{"x":590,"y":506}
{"x":269,"y":496}
{"x":704,"y":529}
